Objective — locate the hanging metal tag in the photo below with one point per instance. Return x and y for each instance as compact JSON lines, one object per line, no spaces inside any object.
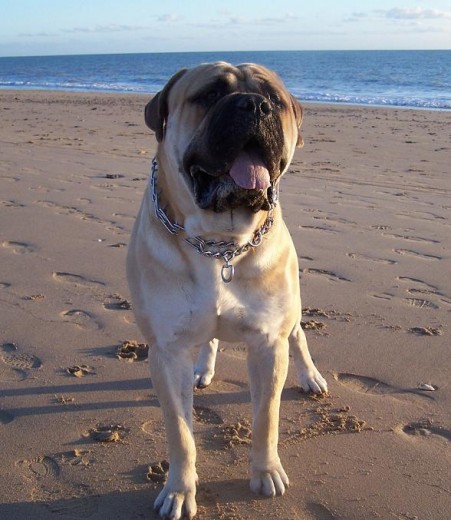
{"x":227,"y":272}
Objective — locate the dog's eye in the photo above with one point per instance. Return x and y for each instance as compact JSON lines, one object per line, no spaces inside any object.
{"x":207,"y":98}
{"x":275,"y":99}
{"x":212,"y":96}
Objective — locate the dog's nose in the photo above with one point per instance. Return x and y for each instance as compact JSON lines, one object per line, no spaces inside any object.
{"x":255,"y":104}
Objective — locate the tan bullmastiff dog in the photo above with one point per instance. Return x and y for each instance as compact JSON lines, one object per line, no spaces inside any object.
{"x":210,"y":258}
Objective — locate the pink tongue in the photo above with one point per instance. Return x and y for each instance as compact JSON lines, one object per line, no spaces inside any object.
{"x":249,"y":172}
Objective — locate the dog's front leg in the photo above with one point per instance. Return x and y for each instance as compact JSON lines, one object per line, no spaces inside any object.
{"x":309,"y":377}
{"x":172,"y":377}
{"x":204,"y":369}
{"x":268,"y":367}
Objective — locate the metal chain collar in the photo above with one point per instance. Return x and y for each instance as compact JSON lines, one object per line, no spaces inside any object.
{"x":219,"y":250}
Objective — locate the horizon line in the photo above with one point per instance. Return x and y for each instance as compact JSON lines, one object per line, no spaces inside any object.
{"x":218,"y":52}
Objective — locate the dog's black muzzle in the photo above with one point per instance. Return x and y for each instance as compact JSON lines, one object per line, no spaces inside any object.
{"x":240,"y":125}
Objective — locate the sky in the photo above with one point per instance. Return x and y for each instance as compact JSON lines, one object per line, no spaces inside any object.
{"x":51,"y":27}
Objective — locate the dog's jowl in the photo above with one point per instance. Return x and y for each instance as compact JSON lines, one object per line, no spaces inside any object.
{"x":210,"y":259}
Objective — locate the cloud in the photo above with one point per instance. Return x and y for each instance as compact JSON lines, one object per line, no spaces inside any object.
{"x":356,"y":17}
{"x":106,"y":29}
{"x":169,"y":18}
{"x":275,"y":20}
{"x":289,"y":17}
{"x":406,"y":14}
{"x":417,"y":27}
{"x":232,"y":21}
{"x":37,"y":35}
{"x":413,"y":13}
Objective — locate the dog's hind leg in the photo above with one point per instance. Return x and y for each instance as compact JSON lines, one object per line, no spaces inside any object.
{"x":309,"y":377}
{"x":172,"y":377}
{"x":268,"y":367}
{"x":204,"y":370}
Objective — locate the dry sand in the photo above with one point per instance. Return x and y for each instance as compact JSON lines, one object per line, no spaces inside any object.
{"x":368,"y":202}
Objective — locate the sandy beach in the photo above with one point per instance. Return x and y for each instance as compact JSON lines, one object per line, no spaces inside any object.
{"x":368,"y":203}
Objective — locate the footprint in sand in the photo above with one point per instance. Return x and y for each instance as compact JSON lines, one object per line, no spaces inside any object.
{"x":81,"y":318}
{"x":336,"y":220}
{"x":205,"y":415}
{"x":85,"y":200}
{"x":6,"y":417}
{"x":158,"y":472}
{"x":358,"y":256}
{"x":426,"y":331}
{"x":116,"y":302}
{"x":422,"y":215}
{"x":42,"y":473}
{"x":420,"y":303}
{"x":372,"y":386}
{"x":131,"y":350}
{"x":67,"y":210}
{"x":77,"y":280}
{"x":237,"y":434}
{"x":45,"y":474}
{"x":124,"y":216}
{"x":39,"y":468}
{"x":14,"y":365}
{"x":108,"y":433}
{"x":412,"y":238}
{"x":416,"y":254}
{"x":363,"y":384}
{"x":21,"y":361}
{"x":425,"y":428}
{"x":155,"y":429}
{"x":333,"y":277}
{"x":320,"y":512}
{"x":18,"y":248}
{"x":8,"y":374}
{"x":322,"y":229}
{"x":419,"y":287}
{"x":11,"y":204}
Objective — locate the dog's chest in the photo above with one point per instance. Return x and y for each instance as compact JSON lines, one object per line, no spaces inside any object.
{"x":221,"y":313}
{"x":240,"y":313}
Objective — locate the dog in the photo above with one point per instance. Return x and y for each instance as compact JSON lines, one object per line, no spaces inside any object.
{"x":210,"y":258}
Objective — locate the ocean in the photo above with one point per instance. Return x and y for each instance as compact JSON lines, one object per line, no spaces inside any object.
{"x":418,"y":79}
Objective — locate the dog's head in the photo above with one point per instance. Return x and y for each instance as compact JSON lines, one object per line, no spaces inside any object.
{"x":232,"y":131}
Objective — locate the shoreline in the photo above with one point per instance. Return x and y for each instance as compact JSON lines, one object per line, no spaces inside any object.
{"x":101,"y":93}
{"x":367,"y":201}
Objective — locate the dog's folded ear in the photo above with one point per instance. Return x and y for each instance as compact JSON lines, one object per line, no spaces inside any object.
{"x":299,"y":114}
{"x":156,"y":111}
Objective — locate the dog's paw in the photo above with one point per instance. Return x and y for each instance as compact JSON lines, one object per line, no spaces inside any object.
{"x":202,"y":378}
{"x":271,"y":482}
{"x":175,"y":503}
{"x":312,"y":381}
{"x":204,"y":369}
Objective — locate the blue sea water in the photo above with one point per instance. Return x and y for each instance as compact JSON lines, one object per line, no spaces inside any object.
{"x":420,"y":79}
